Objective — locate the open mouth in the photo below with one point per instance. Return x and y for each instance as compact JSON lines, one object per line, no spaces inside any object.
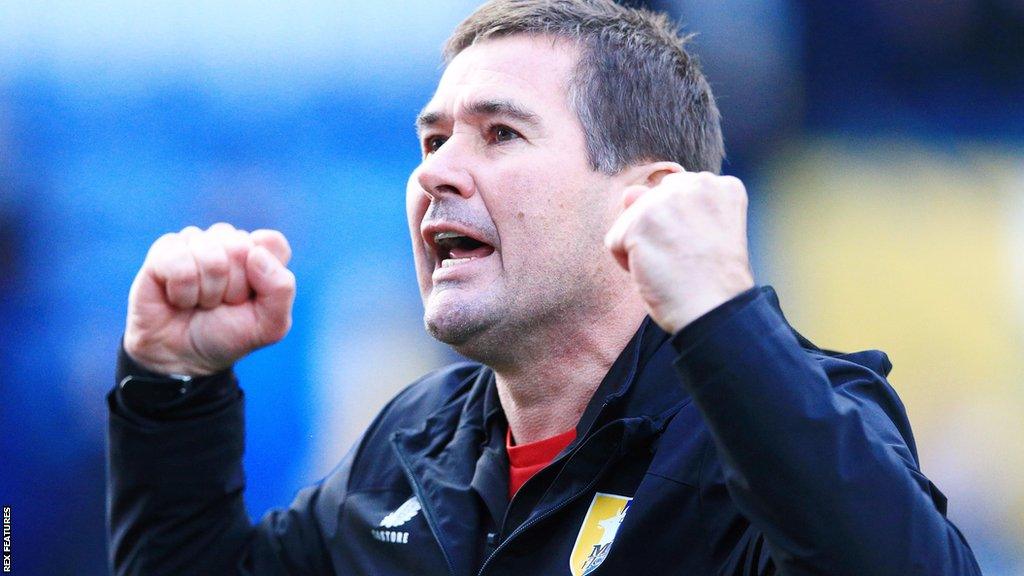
{"x":454,"y":248}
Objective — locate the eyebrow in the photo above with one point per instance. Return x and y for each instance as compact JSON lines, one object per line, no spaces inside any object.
{"x":505,"y":108}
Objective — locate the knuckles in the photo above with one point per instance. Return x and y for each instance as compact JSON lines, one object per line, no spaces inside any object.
{"x":688,"y":197}
{"x":704,"y":190}
{"x":213,"y":263}
{"x":193,"y":256}
{"x":182,"y":276}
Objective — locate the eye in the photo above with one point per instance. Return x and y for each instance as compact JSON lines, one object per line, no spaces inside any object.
{"x":503,"y":133}
{"x":432,"y":143}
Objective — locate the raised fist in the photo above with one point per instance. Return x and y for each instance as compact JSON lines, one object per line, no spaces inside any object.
{"x":684,"y":242}
{"x":205,"y":298}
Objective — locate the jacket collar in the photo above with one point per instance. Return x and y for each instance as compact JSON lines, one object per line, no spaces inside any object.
{"x":640,"y":382}
{"x":440,"y":461}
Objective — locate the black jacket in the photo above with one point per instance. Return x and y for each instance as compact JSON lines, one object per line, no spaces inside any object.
{"x":736,"y":447}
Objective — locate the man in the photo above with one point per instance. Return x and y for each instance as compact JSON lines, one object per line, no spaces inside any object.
{"x":568,"y":191}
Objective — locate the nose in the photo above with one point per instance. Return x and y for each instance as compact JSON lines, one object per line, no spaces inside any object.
{"x":446,"y":172}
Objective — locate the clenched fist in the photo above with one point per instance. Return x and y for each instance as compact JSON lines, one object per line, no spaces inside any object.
{"x":684,"y":242}
{"x":205,"y":298}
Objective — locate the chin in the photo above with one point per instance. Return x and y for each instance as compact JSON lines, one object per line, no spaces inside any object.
{"x":470,"y":330}
{"x":451,"y":333}
{"x":451,"y":323}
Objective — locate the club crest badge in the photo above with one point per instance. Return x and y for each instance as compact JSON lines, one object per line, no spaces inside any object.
{"x":600,"y":525}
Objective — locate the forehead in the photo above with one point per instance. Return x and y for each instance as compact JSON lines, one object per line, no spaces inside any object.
{"x":531,"y":70}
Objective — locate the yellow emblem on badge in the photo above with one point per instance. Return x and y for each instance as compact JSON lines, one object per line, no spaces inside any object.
{"x":599,"y":527}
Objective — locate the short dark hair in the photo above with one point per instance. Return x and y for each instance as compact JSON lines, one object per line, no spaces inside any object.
{"x":639,"y":95}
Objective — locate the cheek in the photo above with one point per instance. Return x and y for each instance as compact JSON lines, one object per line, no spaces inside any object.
{"x":516,"y":210}
{"x":416,"y":204}
{"x":537,"y":216}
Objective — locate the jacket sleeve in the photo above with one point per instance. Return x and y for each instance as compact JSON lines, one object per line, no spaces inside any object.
{"x":816,"y":453}
{"x":175,"y":506}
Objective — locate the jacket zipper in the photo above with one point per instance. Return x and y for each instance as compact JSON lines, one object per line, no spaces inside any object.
{"x":428,"y":513}
{"x":526,"y":525}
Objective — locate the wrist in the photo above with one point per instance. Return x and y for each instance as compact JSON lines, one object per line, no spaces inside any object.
{"x":142,"y":392}
{"x":157,"y":361}
{"x":691,"y":308}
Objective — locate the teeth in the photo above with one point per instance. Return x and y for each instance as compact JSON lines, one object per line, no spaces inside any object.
{"x":446,"y":236}
{"x":454,"y":262}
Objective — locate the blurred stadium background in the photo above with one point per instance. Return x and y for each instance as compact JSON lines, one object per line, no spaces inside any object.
{"x":882,"y":142}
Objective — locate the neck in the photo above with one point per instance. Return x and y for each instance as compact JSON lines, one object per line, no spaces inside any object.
{"x":545,"y":391}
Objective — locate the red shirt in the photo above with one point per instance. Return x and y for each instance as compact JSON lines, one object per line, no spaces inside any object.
{"x":525,"y":460}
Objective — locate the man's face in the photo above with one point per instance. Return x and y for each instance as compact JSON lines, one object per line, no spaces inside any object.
{"x":506,"y":215}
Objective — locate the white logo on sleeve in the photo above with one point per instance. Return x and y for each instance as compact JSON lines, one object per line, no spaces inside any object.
{"x":403,"y":514}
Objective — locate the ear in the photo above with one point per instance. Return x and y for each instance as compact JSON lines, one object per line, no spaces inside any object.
{"x":651,"y":173}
